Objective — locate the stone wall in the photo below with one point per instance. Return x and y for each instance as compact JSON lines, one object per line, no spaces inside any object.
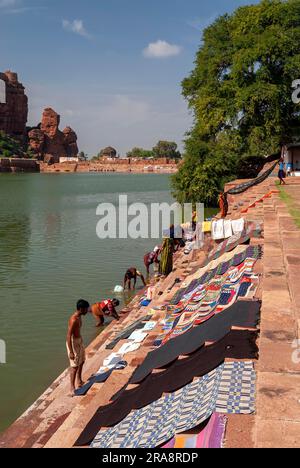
{"x":119,"y":166}
{"x":18,"y":165}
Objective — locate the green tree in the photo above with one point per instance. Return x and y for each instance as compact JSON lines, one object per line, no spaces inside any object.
{"x":166,"y":149}
{"x":140,"y":153}
{"x":9,"y":147}
{"x":82,"y":156}
{"x":240,"y":95}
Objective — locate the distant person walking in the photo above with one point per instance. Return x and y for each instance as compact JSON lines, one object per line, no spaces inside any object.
{"x":75,"y":347}
{"x":281,"y":172}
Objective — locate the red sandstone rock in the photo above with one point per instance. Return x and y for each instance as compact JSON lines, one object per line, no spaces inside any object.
{"x":36,"y":142}
{"x":57,"y":144}
{"x":14,"y":111}
{"x":71,"y":142}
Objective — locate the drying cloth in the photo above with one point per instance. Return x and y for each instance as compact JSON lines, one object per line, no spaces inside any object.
{"x":238,"y":226}
{"x":241,"y":188}
{"x":253,"y":229}
{"x":211,"y":437}
{"x":129,"y":348}
{"x":228,"y":389}
{"x":149,"y":326}
{"x":100,"y":377}
{"x":206,"y":226}
{"x":207,"y":301}
{"x":124,"y":335}
{"x":237,"y":344}
{"x":138,"y":336}
{"x":217,"y":229}
{"x":254,"y":252}
{"x":243,"y":314}
{"x":227,"y":229}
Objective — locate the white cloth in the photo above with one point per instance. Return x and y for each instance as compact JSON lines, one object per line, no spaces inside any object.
{"x":149,"y":326}
{"x":138,"y":336}
{"x":238,"y":225}
{"x":129,"y":348}
{"x":227,"y":229}
{"x":218,"y":229}
{"x":112,"y":360}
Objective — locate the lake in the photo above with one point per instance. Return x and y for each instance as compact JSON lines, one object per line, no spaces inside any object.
{"x":50,"y":256}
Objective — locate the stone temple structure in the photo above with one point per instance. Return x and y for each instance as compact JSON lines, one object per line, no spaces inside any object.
{"x":13,"y":105}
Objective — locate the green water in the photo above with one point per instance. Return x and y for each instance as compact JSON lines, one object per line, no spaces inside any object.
{"x":50,"y":256}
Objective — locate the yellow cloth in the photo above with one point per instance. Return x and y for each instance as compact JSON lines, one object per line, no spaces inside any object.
{"x":206,"y":226}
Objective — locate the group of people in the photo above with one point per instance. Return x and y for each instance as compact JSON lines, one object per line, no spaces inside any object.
{"x":100,"y":310}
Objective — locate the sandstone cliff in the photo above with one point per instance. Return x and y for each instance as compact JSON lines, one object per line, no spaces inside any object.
{"x":13,"y":105}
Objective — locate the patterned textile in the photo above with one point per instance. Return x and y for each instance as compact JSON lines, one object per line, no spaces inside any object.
{"x":229,"y":389}
{"x":253,"y":229}
{"x":209,"y":299}
{"x":211,"y":437}
{"x":241,"y":188}
{"x":221,"y":269}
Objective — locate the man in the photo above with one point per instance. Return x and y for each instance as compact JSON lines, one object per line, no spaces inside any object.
{"x":281,"y":172}
{"x":132,"y":274}
{"x":103,"y":309}
{"x":151,"y":258}
{"x":75,"y":347}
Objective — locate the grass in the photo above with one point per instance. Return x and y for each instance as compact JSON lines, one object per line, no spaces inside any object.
{"x":289,"y":201}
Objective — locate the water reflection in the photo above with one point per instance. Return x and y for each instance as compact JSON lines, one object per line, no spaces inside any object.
{"x":14,"y":246}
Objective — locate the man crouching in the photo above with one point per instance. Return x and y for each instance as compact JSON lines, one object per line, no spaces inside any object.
{"x":75,"y":347}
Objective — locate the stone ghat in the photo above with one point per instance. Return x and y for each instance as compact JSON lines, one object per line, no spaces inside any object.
{"x":56,"y":421}
{"x":18,"y":165}
{"x":119,"y":166}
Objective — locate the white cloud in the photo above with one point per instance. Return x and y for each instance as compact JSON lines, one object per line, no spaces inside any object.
{"x":76,"y":26}
{"x":122,"y":120}
{"x":162,"y":49}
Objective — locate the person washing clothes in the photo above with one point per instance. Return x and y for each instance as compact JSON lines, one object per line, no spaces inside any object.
{"x":151,"y":258}
{"x":132,"y":274}
{"x":103,"y":309}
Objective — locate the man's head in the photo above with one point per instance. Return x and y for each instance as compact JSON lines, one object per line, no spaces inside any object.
{"x":115,"y":302}
{"x":83,"y":307}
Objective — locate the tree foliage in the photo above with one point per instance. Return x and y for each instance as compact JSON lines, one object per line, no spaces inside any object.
{"x":140,"y":153}
{"x":166,"y":149}
{"x":240,"y":95}
{"x":9,"y":148}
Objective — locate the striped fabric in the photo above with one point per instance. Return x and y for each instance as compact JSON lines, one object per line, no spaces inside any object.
{"x":211,"y":437}
{"x":208,"y":299}
{"x":229,"y":389}
{"x":221,"y":269}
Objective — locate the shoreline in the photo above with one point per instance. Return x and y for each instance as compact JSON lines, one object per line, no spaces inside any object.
{"x":55,"y":421}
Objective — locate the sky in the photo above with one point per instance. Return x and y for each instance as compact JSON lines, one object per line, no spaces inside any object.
{"x":111,"y":68}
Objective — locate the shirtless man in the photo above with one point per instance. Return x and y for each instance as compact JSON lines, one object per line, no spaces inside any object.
{"x":132,"y":274}
{"x":75,"y":347}
{"x":103,"y":309}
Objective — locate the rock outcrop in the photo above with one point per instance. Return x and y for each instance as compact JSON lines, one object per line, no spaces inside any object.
{"x":13,"y":105}
{"x":36,"y":142}
{"x":49,"y":143}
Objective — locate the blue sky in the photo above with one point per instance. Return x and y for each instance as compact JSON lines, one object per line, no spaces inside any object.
{"x":111,"y":68}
